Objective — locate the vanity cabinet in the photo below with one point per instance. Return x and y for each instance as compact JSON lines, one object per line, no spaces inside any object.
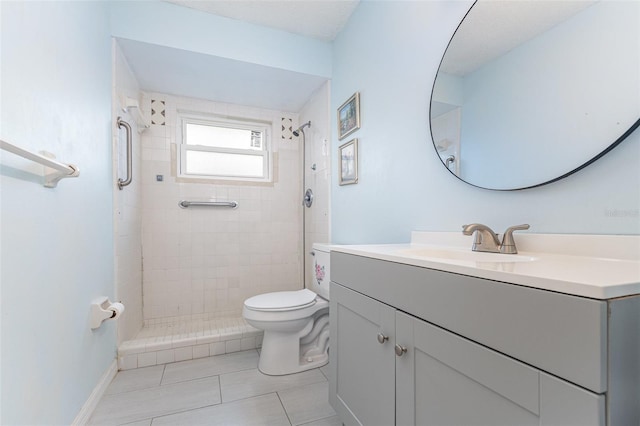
{"x":362,"y":358}
{"x":392,"y":368}
{"x":391,"y":364}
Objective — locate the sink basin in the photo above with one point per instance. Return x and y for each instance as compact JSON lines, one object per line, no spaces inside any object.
{"x":446,"y":253}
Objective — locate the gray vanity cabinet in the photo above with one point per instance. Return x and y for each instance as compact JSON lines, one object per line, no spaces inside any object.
{"x":445,"y":379}
{"x":388,"y":368}
{"x":416,"y":346}
{"x":362,"y":368}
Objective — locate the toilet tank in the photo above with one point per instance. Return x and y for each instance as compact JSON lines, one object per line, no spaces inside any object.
{"x":320,"y":273}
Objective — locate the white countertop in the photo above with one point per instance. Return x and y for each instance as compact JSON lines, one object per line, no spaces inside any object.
{"x":590,"y":274}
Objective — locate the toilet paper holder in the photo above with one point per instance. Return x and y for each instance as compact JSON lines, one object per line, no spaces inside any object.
{"x":103,"y":309}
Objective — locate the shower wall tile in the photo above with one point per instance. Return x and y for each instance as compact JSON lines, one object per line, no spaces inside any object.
{"x":208,"y":261}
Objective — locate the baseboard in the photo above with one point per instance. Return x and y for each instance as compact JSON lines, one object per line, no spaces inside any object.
{"x":92,"y":402}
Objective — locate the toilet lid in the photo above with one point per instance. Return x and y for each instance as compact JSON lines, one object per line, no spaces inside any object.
{"x":281,"y":300}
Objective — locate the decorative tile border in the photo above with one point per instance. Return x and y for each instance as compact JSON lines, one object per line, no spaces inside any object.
{"x":158,"y":112}
{"x":287,"y":128}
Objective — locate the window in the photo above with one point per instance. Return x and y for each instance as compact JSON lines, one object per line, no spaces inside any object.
{"x":217,"y":148}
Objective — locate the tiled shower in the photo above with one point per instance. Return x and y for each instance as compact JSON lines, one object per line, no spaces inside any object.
{"x":183,"y":274}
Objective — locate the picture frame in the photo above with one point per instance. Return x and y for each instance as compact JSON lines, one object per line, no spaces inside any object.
{"x":349,"y":116}
{"x":348,"y":163}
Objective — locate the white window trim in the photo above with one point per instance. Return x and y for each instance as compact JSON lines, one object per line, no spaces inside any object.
{"x":185,"y":118}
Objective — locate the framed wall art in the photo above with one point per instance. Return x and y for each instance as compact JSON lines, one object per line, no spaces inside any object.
{"x":348,"y":162}
{"x":349,"y":116}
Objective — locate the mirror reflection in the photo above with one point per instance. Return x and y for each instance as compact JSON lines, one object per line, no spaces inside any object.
{"x":528,"y":91}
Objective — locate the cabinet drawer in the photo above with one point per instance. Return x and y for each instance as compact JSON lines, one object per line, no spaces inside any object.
{"x":562,"y":334}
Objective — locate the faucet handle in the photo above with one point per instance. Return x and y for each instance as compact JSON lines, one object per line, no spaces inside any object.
{"x":508,"y":245}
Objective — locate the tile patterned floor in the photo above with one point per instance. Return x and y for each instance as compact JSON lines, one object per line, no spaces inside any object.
{"x":219,"y":390}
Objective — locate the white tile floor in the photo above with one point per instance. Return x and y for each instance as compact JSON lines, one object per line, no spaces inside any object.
{"x":219,"y":390}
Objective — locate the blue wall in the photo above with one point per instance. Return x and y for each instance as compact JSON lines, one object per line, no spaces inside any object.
{"x":390,"y":52}
{"x":57,"y":249}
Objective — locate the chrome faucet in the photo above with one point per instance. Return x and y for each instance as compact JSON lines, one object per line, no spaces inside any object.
{"x":486,"y":240}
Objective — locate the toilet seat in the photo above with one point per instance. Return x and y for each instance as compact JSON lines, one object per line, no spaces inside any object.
{"x":281,"y":301}
{"x":290,"y":314}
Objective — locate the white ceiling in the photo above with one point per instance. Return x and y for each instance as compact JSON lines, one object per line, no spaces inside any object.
{"x":321,"y":19}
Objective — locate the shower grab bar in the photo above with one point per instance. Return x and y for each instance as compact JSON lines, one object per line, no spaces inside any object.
{"x":61,"y":170}
{"x":127,"y":127}
{"x":232,"y":204}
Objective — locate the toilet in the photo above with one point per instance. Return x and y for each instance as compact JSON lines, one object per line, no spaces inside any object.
{"x":295,"y":323}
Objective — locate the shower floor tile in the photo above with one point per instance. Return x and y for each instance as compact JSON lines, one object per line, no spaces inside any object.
{"x":186,"y":338}
{"x":192,"y":393}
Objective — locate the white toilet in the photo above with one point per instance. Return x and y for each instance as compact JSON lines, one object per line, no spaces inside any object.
{"x":295,"y":323}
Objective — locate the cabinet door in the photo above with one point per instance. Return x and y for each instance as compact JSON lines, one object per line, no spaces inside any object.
{"x":362,"y":370}
{"x":444,"y":379}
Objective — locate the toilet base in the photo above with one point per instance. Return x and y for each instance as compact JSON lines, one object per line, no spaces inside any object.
{"x":303,"y":365}
{"x":284,"y":353}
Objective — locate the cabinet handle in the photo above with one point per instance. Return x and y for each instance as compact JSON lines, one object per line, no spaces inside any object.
{"x":382,"y":338}
{"x":400,"y":350}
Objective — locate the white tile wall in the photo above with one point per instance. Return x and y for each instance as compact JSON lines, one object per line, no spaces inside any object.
{"x":207,"y":260}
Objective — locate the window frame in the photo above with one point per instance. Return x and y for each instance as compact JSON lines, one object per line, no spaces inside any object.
{"x":185,"y":118}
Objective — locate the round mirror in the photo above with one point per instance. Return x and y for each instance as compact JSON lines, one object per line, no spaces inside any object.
{"x":529,"y":92}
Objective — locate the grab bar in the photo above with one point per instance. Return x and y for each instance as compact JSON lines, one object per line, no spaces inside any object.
{"x":184,"y":204}
{"x":51,"y":180}
{"x":127,"y":127}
